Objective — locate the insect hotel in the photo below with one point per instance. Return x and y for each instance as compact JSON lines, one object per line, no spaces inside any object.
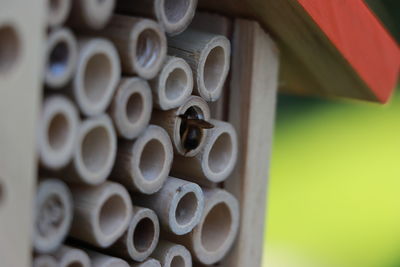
{"x":138,"y":133}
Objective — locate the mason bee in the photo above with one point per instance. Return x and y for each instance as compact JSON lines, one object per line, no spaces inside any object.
{"x":191,"y":129}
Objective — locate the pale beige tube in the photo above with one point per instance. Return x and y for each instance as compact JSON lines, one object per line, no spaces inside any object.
{"x":143,"y":165}
{"x":61,"y":58}
{"x":71,"y":257}
{"x":131,"y":107}
{"x":215,"y":162}
{"x":172,"y":255}
{"x":91,"y":14}
{"x":97,"y":74}
{"x":53,"y":215}
{"x":57,"y":12}
{"x":209,"y":57}
{"x":214,"y":236}
{"x":173,"y":85}
{"x":148,"y":263}
{"x":44,"y":261}
{"x":179,"y":205}
{"x":57,"y":132}
{"x":102,"y":260}
{"x":141,"y":44}
{"x":173,"y":15}
{"x":141,"y":237}
{"x":171,"y":122}
{"x":94,"y":153}
{"x":101,"y":213}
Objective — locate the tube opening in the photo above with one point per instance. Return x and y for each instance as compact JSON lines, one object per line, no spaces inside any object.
{"x":220,"y":153}
{"x":175,"y":10}
{"x":186,"y":208}
{"x":75,"y":264}
{"x":58,"y":131}
{"x":134,"y":107}
{"x":143,"y":235}
{"x":177,"y":261}
{"x":112,"y":214}
{"x":55,"y":6}
{"x":152,"y":160}
{"x":214,"y":68}
{"x":9,"y":47}
{"x":51,"y":216}
{"x":97,"y":77}
{"x":176,"y":84}
{"x":58,"y":60}
{"x":148,"y":48}
{"x":96,"y":148}
{"x":216,"y":227}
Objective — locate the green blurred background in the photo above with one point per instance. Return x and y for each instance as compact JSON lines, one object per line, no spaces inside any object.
{"x":334,"y":191}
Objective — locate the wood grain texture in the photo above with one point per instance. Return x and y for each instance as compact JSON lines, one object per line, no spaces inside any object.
{"x":327,"y":69}
{"x":252,"y":113}
{"x":22,"y":53}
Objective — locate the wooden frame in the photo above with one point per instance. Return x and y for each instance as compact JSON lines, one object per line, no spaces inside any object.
{"x":248,"y":103}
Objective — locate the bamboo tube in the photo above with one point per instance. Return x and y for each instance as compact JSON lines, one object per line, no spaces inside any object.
{"x":173,"y":15}
{"x":94,"y":153}
{"x":44,"y":261}
{"x":57,"y":132}
{"x":173,"y":85}
{"x":143,"y":165}
{"x":171,"y":122}
{"x":61,"y":57}
{"x":148,"y":263}
{"x":101,"y":213}
{"x":97,"y":74}
{"x":71,"y":257}
{"x":214,"y":236}
{"x":131,"y":107}
{"x":91,"y":14}
{"x":53,"y":215}
{"x":141,"y":44}
{"x":141,"y":237}
{"x":179,"y":205}
{"x":215,"y":162}
{"x":172,"y":255}
{"x":102,"y":260}
{"x":209,"y":57}
{"x":57,"y":11}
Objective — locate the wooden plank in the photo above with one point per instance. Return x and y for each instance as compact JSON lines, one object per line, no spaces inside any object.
{"x":330,"y":40}
{"x":252,"y":101}
{"x":21,"y":58}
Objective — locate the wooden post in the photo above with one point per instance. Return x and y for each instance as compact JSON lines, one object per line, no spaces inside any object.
{"x":252,"y":113}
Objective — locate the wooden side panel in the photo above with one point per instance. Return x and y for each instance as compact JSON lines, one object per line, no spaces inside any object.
{"x":21,"y":40}
{"x":253,"y":92}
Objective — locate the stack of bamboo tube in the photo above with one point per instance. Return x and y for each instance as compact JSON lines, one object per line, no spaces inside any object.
{"x":126,"y":92}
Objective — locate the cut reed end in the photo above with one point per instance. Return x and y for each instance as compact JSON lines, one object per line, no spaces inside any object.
{"x":97,"y":75}
{"x":72,"y":257}
{"x":143,"y":233}
{"x":53,"y":215}
{"x":91,"y":14}
{"x":44,"y":261}
{"x":102,"y":260}
{"x":57,"y":11}
{"x":220,"y":152}
{"x":148,"y":263}
{"x":102,"y":213}
{"x":57,"y":132}
{"x":96,"y":150}
{"x":171,"y":255}
{"x":131,"y":107}
{"x":173,"y":85}
{"x":215,"y":234}
{"x":213,"y":68}
{"x":61,"y":55}
{"x":175,"y":15}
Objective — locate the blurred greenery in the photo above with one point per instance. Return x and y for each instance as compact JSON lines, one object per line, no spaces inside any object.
{"x":334,"y":192}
